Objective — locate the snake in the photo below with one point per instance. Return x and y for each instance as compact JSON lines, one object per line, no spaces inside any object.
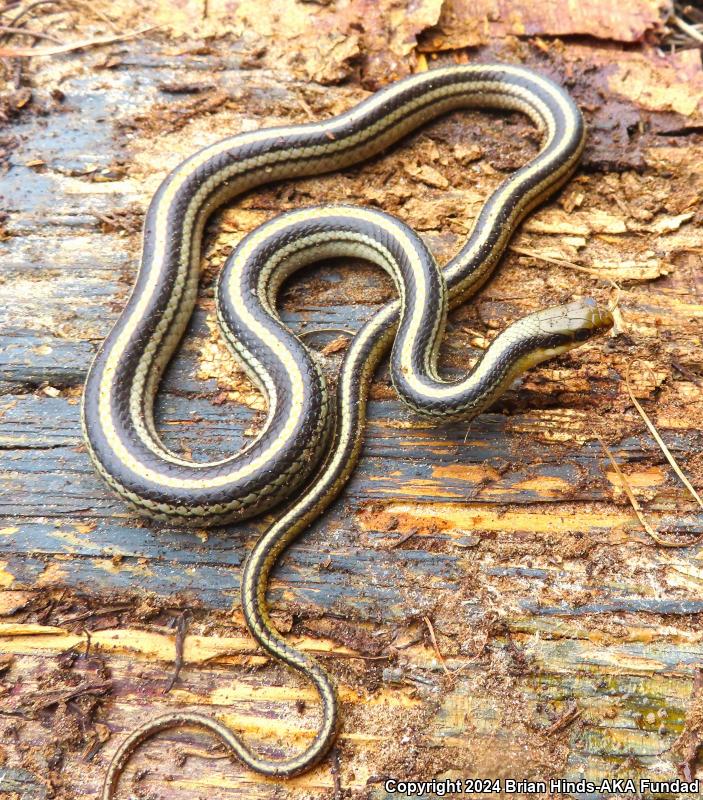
{"x":311,"y":439}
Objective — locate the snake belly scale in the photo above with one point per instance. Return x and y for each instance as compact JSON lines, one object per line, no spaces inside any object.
{"x":311,"y":442}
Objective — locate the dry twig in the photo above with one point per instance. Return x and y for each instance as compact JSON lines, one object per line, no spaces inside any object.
{"x":430,"y":628}
{"x":560,"y":262}
{"x":54,"y":697}
{"x":566,"y":719}
{"x":658,"y":439}
{"x":689,"y":30}
{"x":28,"y":52}
{"x":24,"y":11}
{"x":93,"y":9}
{"x":406,"y":537}
{"x":635,"y":503}
{"x":687,"y":373}
{"x":18,"y":31}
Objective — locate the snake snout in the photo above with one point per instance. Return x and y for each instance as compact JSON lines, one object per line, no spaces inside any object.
{"x":590,"y":318}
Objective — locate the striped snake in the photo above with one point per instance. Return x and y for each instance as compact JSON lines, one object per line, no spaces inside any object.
{"x":304,"y":425}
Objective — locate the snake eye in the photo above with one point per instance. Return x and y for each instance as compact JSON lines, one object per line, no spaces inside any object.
{"x":574,"y":322}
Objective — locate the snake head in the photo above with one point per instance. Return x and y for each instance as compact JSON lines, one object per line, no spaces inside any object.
{"x":553,"y":331}
{"x":574,"y":322}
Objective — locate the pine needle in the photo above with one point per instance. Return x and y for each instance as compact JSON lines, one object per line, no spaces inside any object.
{"x":689,"y":30}
{"x":635,"y":503}
{"x":658,"y":439}
{"x":430,"y":628}
{"x":628,"y":491}
{"x":29,"y":52}
{"x":560,"y":262}
{"x":27,"y":32}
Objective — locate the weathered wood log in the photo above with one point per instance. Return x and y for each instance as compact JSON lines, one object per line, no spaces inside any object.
{"x":486,"y":596}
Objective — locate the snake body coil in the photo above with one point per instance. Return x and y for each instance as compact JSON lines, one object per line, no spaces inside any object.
{"x":123,"y":380}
